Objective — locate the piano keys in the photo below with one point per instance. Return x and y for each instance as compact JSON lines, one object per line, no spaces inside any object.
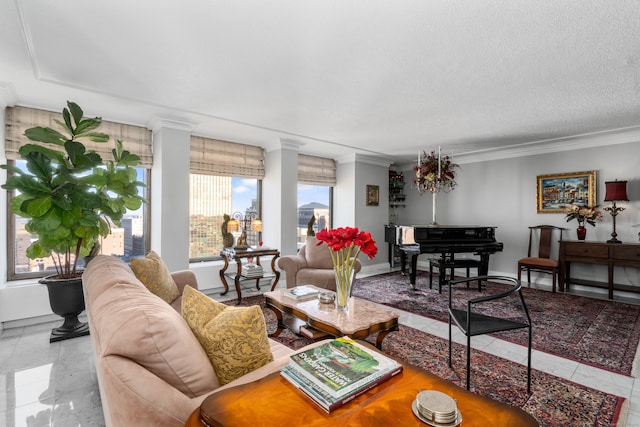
{"x":446,"y":240}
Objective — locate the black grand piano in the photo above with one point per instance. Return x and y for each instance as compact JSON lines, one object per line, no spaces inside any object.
{"x":446,"y":240}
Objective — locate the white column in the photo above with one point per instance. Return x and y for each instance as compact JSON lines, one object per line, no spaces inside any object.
{"x":279,"y":201}
{"x":169,"y":202}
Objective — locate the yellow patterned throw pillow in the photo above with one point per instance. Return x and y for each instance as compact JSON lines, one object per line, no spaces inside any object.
{"x":155,"y":276}
{"x":234,"y":338}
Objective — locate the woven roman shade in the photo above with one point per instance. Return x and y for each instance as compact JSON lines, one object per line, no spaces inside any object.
{"x":316,"y":170}
{"x":223,"y":158}
{"x":135,"y":139}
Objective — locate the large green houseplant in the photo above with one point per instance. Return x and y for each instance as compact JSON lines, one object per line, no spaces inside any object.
{"x":71,"y":196}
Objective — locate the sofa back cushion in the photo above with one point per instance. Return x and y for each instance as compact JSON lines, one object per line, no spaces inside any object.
{"x":318,"y":256}
{"x":132,"y":322}
{"x":101,"y":274}
{"x":154,"y":274}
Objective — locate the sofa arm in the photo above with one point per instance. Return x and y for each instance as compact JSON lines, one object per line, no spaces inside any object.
{"x":291,"y":264}
{"x":134,"y":397}
{"x":184,"y":278}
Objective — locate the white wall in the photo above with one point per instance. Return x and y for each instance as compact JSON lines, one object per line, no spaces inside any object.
{"x":344,"y":203}
{"x":350,"y":208}
{"x":503,"y":193}
{"x":372,"y":218}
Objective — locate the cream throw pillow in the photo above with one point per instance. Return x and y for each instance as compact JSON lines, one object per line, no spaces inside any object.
{"x":234,"y":338}
{"x":155,"y":276}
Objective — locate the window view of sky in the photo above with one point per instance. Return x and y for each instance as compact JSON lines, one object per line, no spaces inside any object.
{"x":312,"y":193}
{"x":245,"y":189}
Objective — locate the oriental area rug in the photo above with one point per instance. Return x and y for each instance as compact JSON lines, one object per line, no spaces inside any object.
{"x":553,"y":402}
{"x":601,"y":333}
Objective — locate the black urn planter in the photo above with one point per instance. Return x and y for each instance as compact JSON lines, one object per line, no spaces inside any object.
{"x":67,"y":300}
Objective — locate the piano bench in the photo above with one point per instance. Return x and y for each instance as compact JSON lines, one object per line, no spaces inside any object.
{"x":451,"y":265}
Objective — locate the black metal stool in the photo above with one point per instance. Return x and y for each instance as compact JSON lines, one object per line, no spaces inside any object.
{"x":444,"y":264}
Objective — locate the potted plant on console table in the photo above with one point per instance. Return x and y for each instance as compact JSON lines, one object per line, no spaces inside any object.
{"x":71,"y":197}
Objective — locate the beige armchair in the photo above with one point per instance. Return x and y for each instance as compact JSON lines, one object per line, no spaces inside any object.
{"x":311,"y":266}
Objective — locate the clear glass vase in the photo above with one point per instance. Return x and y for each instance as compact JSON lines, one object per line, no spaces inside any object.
{"x":344,"y":280}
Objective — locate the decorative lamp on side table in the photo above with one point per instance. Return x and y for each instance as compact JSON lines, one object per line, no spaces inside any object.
{"x":616,"y":191}
{"x":250,"y":223}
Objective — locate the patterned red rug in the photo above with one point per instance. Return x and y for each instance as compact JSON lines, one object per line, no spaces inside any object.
{"x":600,"y":333}
{"x":553,"y":401}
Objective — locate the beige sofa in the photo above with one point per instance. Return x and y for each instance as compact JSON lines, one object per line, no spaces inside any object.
{"x":312,"y":265}
{"x":151,"y":369}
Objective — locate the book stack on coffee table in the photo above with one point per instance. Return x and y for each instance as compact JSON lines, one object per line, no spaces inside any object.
{"x":302,"y":293}
{"x":338,"y":371}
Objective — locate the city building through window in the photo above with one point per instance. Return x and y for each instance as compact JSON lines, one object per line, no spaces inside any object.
{"x":213,"y":196}
{"x":127,"y":241}
{"x":313,"y":201}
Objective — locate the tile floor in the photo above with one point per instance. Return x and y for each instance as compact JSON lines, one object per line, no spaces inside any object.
{"x":43,"y":384}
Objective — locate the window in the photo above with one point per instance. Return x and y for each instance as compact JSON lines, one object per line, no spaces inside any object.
{"x":132,"y":239}
{"x":226,"y":178}
{"x":213,"y":196}
{"x":316,"y":178}
{"x":313,"y":200}
{"x":125,"y":242}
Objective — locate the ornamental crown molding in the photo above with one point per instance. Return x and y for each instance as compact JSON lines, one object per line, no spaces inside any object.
{"x":286,"y":144}
{"x":7,"y":95}
{"x":158,"y":123}
{"x":362,"y":158}
{"x":554,"y":145}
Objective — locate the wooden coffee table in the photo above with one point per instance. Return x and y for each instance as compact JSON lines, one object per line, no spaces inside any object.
{"x":319,"y":320}
{"x":272,"y":401}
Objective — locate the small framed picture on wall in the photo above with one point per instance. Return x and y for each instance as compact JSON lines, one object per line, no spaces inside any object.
{"x":373,"y":195}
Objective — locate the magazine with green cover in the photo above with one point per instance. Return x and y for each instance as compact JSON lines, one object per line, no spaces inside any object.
{"x":341,"y":365}
{"x":323,"y":398}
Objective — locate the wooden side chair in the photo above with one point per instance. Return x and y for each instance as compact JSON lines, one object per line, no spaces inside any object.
{"x":543,"y":262}
{"x":476,"y":317}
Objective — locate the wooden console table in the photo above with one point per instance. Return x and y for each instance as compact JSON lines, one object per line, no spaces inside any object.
{"x":609,"y":254}
{"x":238,"y":255}
{"x":272,"y":401}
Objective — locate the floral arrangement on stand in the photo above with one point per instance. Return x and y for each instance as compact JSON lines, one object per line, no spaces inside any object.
{"x":583,"y":214}
{"x":435,"y":173}
{"x":346,"y":243}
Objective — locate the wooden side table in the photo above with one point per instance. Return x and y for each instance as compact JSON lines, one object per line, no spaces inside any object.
{"x":608,"y":254}
{"x":238,"y":255}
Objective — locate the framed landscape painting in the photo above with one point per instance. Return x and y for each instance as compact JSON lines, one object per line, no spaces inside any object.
{"x":555,"y":192}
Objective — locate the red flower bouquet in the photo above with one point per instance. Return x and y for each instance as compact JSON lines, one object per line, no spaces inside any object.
{"x":345,"y":244}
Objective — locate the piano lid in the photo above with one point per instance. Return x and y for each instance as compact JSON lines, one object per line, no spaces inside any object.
{"x":454,"y":233}
{"x":451,"y":226}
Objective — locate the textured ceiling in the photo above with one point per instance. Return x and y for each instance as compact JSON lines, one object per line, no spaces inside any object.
{"x":378,"y":78}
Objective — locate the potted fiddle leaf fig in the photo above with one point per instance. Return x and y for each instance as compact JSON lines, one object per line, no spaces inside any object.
{"x":71,"y":197}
